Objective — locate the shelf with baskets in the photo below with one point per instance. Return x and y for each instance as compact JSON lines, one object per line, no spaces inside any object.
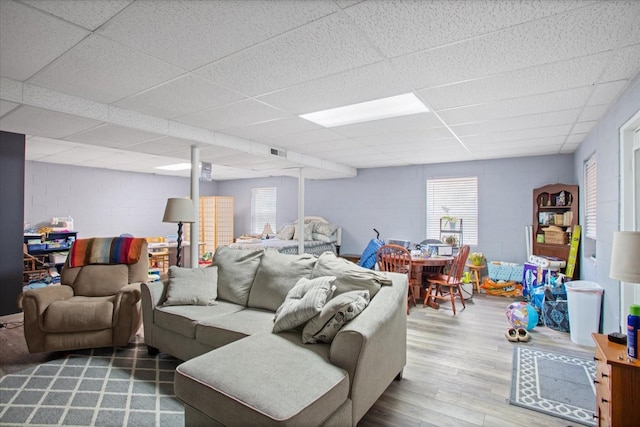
{"x":451,"y":231}
{"x":555,"y":214}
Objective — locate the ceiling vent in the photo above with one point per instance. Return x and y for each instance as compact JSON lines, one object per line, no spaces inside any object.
{"x":279,"y":153}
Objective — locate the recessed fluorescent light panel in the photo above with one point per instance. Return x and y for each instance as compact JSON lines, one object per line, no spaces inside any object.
{"x":175,"y":167}
{"x":384,"y":108}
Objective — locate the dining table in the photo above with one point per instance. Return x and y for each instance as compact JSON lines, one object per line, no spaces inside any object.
{"x":430,"y":265}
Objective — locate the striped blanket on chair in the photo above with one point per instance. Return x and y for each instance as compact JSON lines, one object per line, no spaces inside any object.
{"x":105,"y":250}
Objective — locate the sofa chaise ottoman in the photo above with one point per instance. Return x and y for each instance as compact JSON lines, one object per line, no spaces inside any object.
{"x":238,"y":371}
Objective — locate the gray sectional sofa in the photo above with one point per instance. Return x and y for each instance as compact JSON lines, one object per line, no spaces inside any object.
{"x":239,"y":372}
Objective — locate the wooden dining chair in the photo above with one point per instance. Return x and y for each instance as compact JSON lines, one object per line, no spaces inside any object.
{"x":397,"y":259}
{"x":448,"y":286}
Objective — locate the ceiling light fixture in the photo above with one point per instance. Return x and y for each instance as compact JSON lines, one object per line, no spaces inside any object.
{"x":175,"y":167}
{"x":384,"y":108}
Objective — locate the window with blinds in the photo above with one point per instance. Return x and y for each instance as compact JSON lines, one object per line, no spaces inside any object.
{"x":263,"y":208}
{"x":591,"y":197}
{"x":456,"y":197}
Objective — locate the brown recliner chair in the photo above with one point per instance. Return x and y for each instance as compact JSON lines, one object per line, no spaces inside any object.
{"x":96,"y":305}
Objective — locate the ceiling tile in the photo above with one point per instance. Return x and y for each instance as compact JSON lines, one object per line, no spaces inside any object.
{"x":30,"y":39}
{"x":240,"y":113}
{"x":101,"y":70}
{"x":321,"y":147}
{"x":515,"y":123}
{"x":350,"y":87}
{"x":592,"y":113}
{"x":164,"y":145}
{"x":39,"y":148}
{"x":186,"y":94}
{"x":41,"y":122}
{"x":190,"y":34}
{"x":535,"y":104}
{"x":518,"y":135}
{"x":606,"y":93}
{"x":429,"y":137}
{"x":404,"y":27}
{"x":88,"y":14}
{"x":110,"y":135}
{"x":324,"y":47}
{"x":6,"y":106}
{"x":292,"y":140}
{"x":388,"y":126}
{"x":624,"y":65}
{"x":273,"y":128}
{"x":583,"y":127}
{"x":573,"y":34}
{"x":531,"y":81}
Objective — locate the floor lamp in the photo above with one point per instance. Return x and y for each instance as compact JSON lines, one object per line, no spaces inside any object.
{"x":625,"y":249}
{"x":178,"y":211}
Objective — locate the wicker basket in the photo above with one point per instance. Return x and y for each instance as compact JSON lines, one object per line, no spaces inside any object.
{"x":556,"y":237}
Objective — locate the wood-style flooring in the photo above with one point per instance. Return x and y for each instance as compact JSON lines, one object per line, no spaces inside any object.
{"x":458,"y":369}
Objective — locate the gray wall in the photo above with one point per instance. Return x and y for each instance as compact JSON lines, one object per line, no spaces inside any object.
{"x":12,"y":149}
{"x":604,"y":140}
{"x":393,"y":200}
{"x":103,"y":202}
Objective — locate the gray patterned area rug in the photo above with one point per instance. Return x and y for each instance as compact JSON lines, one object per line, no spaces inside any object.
{"x":99,"y":387}
{"x":560,"y":385}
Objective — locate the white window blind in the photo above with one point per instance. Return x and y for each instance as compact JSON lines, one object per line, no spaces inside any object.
{"x":591,"y":199}
{"x":456,"y":197}
{"x":263,"y":208}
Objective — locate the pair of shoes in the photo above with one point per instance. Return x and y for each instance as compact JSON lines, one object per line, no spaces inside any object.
{"x":512,"y":334}
{"x":523,"y":335}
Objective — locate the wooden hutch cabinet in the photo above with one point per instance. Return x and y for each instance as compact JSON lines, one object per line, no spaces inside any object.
{"x":555,"y":210}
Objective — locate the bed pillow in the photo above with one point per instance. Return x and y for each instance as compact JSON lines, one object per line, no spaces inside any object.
{"x":192,"y":286}
{"x":334,"y":315}
{"x":308,"y":231}
{"x":325,"y":228}
{"x":303,"y":302}
{"x":286,"y":233}
{"x":323,"y":238}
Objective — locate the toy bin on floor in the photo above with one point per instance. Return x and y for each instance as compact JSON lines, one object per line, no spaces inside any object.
{"x":585,"y":301}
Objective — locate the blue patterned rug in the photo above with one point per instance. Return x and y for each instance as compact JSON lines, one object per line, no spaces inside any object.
{"x":99,"y":387}
{"x":560,"y":385}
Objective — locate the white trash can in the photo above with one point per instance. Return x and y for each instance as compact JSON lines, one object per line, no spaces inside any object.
{"x":584,"y":300}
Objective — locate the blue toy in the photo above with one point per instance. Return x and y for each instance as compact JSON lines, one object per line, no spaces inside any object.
{"x":522,"y":315}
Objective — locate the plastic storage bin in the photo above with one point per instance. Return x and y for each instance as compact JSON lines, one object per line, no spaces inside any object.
{"x":585,"y":301}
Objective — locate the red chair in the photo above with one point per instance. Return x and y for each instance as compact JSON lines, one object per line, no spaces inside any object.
{"x":397,"y":259}
{"x":447,"y":286}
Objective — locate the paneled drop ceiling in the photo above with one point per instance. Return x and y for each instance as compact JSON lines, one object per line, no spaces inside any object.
{"x":131,"y":85}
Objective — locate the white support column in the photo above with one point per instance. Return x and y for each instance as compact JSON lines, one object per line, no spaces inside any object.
{"x":300,"y":211}
{"x":195,"y":196}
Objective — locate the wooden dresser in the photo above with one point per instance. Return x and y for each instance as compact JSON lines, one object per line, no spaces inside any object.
{"x":617,"y":384}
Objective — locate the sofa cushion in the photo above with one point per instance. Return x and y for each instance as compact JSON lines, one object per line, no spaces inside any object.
{"x":78,"y":314}
{"x":100,"y":280}
{"x":276,"y":275}
{"x":349,"y":276}
{"x":192,"y":286}
{"x":334,"y":315}
{"x":236,"y":271}
{"x":264,"y":379}
{"x":307,"y":230}
{"x":303,"y":302}
{"x":183,"y":319}
{"x":222,"y":330}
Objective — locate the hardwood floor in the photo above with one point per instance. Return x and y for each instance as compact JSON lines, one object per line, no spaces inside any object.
{"x":458,"y":369}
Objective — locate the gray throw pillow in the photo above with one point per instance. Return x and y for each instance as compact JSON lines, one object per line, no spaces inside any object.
{"x":286,"y":233}
{"x":304,"y":301}
{"x":308,"y":231}
{"x":334,"y":315}
{"x":325,"y":228}
{"x":350,"y":277}
{"x":192,"y":286}
{"x":276,"y":276}
{"x":236,"y":271}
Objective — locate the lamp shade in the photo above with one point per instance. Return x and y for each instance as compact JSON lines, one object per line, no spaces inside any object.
{"x":625,"y":261}
{"x":267,"y":229}
{"x":179,"y":210}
